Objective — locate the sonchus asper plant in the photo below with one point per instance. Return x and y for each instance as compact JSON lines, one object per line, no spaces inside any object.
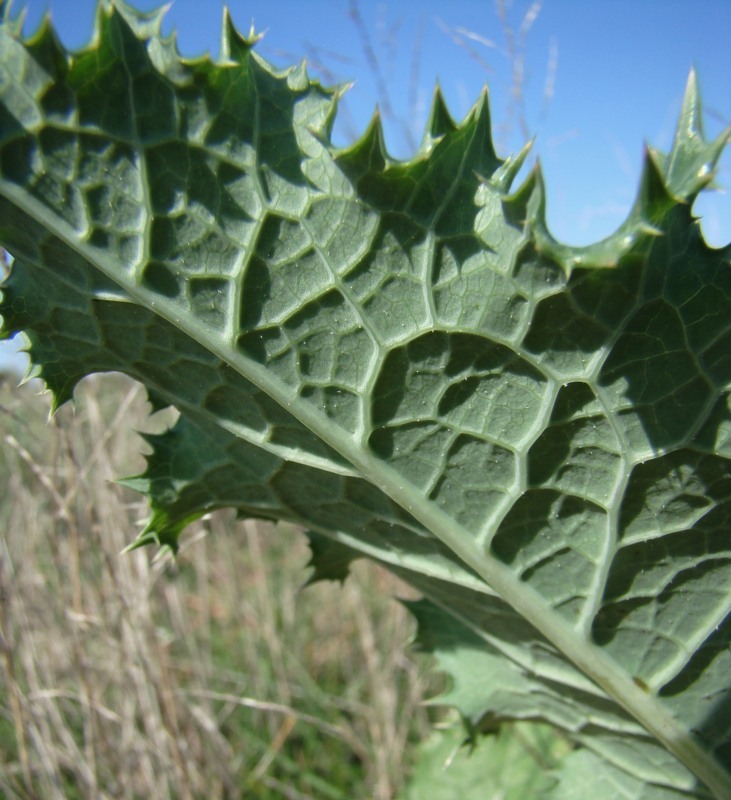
{"x":399,"y":357}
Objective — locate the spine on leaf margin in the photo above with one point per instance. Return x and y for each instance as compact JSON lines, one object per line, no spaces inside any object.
{"x":456,"y":162}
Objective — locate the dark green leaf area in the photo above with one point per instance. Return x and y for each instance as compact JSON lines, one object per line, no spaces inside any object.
{"x":131,"y":102}
{"x":557,"y":531}
{"x":554,"y":542}
{"x":321,"y":351}
{"x":579,"y":452}
{"x":471,"y":290}
{"x":450,"y":412}
{"x":70,"y":168}
{"x":80,"y":323}
{"x":715,"y":434}
{"x":674,"y":545}
{"x":655,"y":380}
{"x":695,"y":280}
{"x":330,"y":560}
{"x":607,"y":296}
{"x":96,"y":126}
{"x":693,"y":693}
{"x":197,"y":467}
{"x":438,"y":191}
{"x":564,"y":333}
{"x":102,"y":87}
{"x":564,"y":340}
{"x":388,"y":281}
{"x":673,"y":354}
{"x":176,"y":461}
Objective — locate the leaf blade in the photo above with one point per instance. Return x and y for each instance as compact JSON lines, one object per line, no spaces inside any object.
{"x":503,"y":390}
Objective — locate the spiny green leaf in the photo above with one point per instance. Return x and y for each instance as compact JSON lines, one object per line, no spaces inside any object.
{"x":330,"y":560}
{"x":400,"y":357}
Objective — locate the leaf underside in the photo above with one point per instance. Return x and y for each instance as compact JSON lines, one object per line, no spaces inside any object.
{"x":399,"y":357}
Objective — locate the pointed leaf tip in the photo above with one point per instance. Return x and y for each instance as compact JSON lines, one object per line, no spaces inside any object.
{"x":527,"y":204}
{"x":440,"y":122}
{"x":145,"y":24}
{"x":368,"y":154}
{"x":691,"y":115}
{"x":689,"y":166}
{"x":234,"y":45}
{"x":166,"y":540}
{"x":503,"y":178}
{"x":478,"y":125}
{"x":654,"y":197}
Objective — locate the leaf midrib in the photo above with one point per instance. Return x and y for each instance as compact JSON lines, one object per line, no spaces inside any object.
{"x":592,"y":661}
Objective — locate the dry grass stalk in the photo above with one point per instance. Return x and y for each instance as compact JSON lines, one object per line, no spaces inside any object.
{"x":126,"y":676}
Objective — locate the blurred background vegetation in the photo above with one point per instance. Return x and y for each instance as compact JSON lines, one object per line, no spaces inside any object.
{"x":212,"y":676}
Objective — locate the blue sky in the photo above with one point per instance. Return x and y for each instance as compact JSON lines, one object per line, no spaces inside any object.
{"x":600,"y":78}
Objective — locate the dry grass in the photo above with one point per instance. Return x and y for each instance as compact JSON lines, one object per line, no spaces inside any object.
{"x":213,"y":677}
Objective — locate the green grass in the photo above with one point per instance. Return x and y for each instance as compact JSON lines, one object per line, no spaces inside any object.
{"x":215,"y":676}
